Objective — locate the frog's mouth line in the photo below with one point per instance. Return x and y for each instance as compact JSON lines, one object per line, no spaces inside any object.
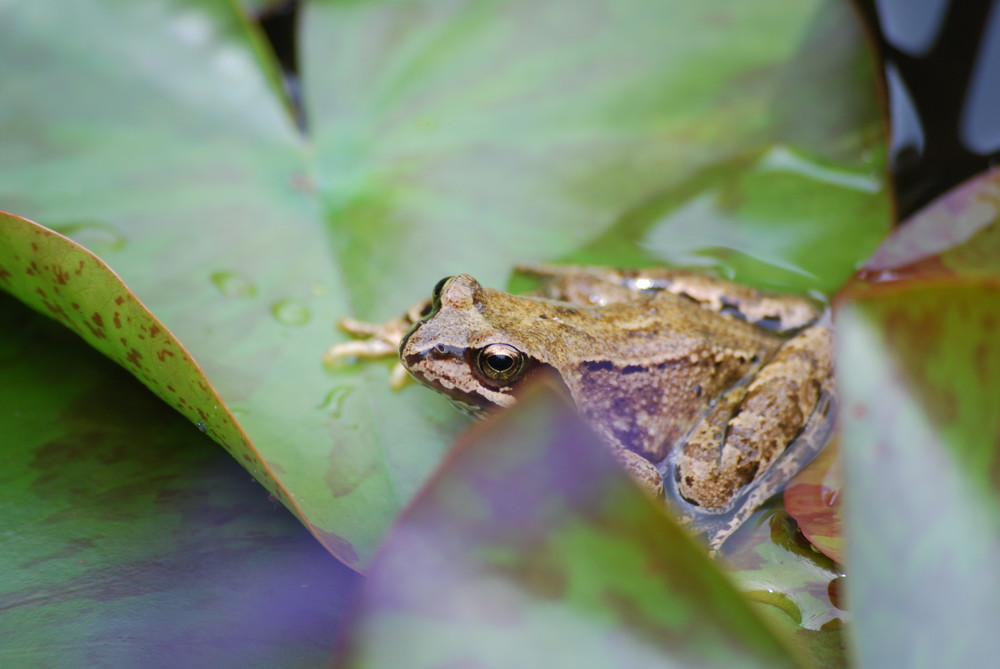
{"x":475,"y":401}
{"x":471,"y":403}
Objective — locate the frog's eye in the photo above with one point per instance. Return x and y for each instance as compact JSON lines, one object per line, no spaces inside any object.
{"x":500,"y":362}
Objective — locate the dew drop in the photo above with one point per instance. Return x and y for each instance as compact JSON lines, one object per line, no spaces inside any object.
{"x":233,"y":284}
{"x":290,"y":312}
{"x":98,"y":237}
{"x":202,"y":426}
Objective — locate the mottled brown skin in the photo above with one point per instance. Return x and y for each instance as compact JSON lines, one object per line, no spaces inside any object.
{"x":661,"y":364}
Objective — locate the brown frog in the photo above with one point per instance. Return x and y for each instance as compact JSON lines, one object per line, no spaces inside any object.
{"x":696,"y":380}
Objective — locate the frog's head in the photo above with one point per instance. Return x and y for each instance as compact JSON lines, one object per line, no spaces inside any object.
{"x":456,"y":349}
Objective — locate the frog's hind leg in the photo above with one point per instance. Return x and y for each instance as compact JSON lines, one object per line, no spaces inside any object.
{"x":807,"y":446}
{"x":740,"y":454}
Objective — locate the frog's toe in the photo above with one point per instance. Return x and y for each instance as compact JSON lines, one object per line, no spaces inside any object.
{"x":367,"y":348}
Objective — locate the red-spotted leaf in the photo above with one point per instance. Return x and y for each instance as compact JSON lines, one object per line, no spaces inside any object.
{"x":814,"y":500}
{"x":530,"y":548}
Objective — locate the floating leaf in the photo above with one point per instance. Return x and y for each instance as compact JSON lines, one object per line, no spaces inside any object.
{"x":957,"y":234}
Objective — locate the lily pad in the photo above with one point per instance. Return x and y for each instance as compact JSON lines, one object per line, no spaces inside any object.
{"x":443,"y":137}
{"x":919,"y":363}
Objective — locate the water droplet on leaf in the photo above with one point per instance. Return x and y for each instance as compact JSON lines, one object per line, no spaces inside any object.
{"x":233,"y":284}
{"x":290,"y":312}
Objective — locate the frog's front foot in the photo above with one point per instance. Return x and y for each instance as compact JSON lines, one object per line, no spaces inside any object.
{"x":377,"y":340}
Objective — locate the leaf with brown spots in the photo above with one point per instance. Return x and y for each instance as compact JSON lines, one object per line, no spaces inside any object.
{"x":93,"y":302}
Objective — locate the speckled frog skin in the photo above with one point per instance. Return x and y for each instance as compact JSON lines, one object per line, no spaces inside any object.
{"x":700,"y":379}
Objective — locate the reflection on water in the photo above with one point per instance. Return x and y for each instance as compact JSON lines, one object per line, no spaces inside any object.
{"x":941,"y":63}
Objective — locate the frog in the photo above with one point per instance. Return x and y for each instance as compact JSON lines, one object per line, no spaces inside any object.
{"x":710,"y":394}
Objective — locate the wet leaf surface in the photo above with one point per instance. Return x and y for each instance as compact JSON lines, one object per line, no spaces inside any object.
{"x":444,"y":138}
{"x":531,"y":549}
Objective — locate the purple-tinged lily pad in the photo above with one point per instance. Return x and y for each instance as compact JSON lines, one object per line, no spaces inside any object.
{"x":531,"y":548}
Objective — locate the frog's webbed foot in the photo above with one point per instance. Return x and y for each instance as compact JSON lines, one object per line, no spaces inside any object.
{"x":377,"y":340}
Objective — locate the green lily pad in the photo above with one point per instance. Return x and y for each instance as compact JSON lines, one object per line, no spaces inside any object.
{"x":443,"y":138}
{"x":530,"y":548}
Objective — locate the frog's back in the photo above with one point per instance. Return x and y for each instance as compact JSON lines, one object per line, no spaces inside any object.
{"x":642,"y":372}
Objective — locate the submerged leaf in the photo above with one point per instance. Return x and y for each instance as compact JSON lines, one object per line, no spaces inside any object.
{"x":813,"y":500}
{"x":130,"y":539}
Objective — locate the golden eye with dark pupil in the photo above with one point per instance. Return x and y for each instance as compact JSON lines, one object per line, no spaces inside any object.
{"x":500,"y":362}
